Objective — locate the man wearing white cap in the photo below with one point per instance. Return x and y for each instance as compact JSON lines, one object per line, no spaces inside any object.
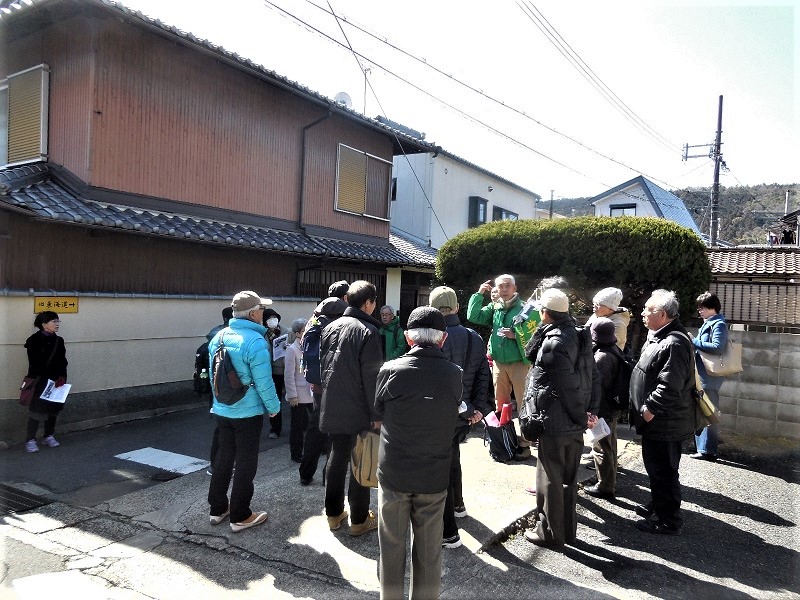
{"x":240,"y":423}
{"x":557,"y":388}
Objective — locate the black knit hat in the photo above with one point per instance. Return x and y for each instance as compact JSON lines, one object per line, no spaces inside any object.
{"x":426,"y":317}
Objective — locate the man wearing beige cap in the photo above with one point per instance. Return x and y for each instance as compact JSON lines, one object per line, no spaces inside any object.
{"x":557,"y":388}
{"x":240,"y":423}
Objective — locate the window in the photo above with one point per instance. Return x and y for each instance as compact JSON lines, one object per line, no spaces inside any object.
{"x":477,"y":211}
{"x":363,"y":183}
{"x":623,"y":210}
{"x":501,"y":214}
{"x":24,"y":99}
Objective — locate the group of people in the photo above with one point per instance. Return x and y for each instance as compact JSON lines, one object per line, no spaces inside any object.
{"x":346,"y":372}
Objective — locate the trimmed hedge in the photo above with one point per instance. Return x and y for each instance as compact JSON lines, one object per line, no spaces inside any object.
{"x":636,"y":254}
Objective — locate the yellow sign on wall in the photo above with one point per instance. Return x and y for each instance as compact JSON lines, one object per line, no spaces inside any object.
{"x":59,"y":304}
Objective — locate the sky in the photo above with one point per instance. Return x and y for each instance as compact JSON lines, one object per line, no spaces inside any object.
{"x":485,"y":81}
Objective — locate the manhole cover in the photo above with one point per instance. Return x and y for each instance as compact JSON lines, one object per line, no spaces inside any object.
{"x":13,"y":500}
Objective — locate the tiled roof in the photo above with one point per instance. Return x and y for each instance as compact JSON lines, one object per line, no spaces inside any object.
{"x":34,"y":190}
{"x":9,"y":10}
{"x":776,"y":261}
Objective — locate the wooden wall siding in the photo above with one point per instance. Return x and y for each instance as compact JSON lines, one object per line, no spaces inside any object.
{"x":321,"y":157}
{"x":67,"y":49}
{"x":47,"y":256}
{"x":759,"y":303}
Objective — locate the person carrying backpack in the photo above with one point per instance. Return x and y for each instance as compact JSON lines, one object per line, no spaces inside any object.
{"x":609,"y":361}
{"x":241,"y":422}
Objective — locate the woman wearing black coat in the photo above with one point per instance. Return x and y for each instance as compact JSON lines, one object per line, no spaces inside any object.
{"x":47,"y":359}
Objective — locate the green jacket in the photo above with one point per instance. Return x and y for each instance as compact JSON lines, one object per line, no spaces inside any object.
{"x":394,"y":341}
{"x":502,"y":349}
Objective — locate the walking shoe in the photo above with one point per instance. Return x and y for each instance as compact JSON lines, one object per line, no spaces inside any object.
{"x":217,"y":519}
{"x":273,"y":435}
{"x":530,"y":489}
{"x":656,"y":526}
{"x":335,"y":522}
{"x":31,"y":446}
{"x":304,"y":481}
{"x":251,"y":521}
{"x":208,"y":471}
{"x":701,"y":456}
{"x":593,"y":490}
{"x":365,"y":527}
{"x":460,"y":511}
{"x":534,"y":538}
{"x":452,"y":542}
{"x":50,"y":441}
{"x":522,"y":453}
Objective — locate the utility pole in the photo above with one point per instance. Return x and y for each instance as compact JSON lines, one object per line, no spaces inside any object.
{"x":551,"y":203}
{"x":715,"y":153}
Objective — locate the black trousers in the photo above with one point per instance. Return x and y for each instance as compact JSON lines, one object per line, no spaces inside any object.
{"x":301,"y":415}
{"x":276,"y":422}
{"x":455,"y":496}
{"x":239,"y":441}
{"x":315,"y":443}
{"x":338,"y":468}
{"x":661,"y":461}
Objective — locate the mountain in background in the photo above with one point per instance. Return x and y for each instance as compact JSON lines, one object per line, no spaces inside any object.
{"x":746,"y":212}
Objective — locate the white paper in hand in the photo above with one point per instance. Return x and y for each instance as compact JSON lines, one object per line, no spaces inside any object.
{"x":599,"y":431}
{"x":55,"y":394}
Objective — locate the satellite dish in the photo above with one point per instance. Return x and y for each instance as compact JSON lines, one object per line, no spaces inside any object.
{"x":343,"y":98}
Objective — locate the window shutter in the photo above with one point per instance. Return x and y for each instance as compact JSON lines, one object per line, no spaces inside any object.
{"x":27,"y":115}
{"x":352,"y":184}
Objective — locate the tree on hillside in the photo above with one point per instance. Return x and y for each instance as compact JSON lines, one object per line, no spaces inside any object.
{"x":635,"y":254}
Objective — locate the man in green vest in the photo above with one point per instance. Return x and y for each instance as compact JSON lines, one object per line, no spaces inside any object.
{"x":509,"y":366}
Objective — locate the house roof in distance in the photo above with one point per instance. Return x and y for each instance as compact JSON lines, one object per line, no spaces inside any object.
{"x":778,"y":262}
{"x":665,"y":204}
{"x":34,"y":190}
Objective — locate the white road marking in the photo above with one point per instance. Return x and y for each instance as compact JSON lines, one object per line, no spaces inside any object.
{"x":166,"y":461}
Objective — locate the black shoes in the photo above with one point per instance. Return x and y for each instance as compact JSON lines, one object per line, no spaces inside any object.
{"x":593,"y":490}
{"x":653,"y":525}
{"x":701,"y":456}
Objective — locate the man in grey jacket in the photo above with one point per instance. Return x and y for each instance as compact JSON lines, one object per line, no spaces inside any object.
{"x":465,"y":348}
{"x":557,"y":388}
{"x":663,"y":409}
{"x":417,"y":401}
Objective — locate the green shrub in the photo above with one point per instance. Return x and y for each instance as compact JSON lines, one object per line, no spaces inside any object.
{"x":635,"y":254}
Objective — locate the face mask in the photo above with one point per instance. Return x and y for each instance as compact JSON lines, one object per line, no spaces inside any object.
{"x":272,"y":322}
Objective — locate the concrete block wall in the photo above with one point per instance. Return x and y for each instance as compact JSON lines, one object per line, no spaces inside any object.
{"x":765,"y":398}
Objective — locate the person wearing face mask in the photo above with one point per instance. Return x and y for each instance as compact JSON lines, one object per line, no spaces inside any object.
{"x":271,"y":320}
{"x":47,"y":359}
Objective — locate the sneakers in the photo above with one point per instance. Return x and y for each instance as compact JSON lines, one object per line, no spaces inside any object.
{"x":365,"y":527}
{"x":701,"y":456}
{"x":50,"y":441}
{"x":452,"y":542}
{"x":251,"y":521}
{"x":31,"y":446}
{"x":273,"y":435}
{"x":335,"y":522}
{"x":460,"y":511}
{"x":217,"y":519}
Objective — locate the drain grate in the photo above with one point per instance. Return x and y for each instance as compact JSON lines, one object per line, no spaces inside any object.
{"x":13,"y":500}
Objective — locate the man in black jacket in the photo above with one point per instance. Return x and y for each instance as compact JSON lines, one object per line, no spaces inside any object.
{"x":663,"y":409}
{"x":351,"y":355}
{"x":557,"y":387}
{"x":417,"y":400}
{"x":465,"y":348}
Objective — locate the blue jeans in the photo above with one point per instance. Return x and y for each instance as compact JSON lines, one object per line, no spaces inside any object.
{"x":239,"y":441}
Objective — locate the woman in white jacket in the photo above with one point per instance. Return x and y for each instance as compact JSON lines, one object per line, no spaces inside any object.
{"x":298,"y":391}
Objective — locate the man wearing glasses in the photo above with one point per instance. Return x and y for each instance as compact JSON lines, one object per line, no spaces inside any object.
{"x":663,"y":409}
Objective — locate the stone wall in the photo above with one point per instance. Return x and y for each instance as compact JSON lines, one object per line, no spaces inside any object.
{"x":765,"y":398}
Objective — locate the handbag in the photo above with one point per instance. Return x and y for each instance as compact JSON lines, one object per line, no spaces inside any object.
{"x":705,"y":412}
{"x":502,"y":441}
{"x":26,"y":390}
{"x":727,"y":363}
{"x":29,"y":384}
{"x":364,"y":458}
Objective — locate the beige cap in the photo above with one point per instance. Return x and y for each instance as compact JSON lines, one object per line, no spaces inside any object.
{"x":248,"y":300}
{"x":555,"y":300}
{"x":443,"y":297}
